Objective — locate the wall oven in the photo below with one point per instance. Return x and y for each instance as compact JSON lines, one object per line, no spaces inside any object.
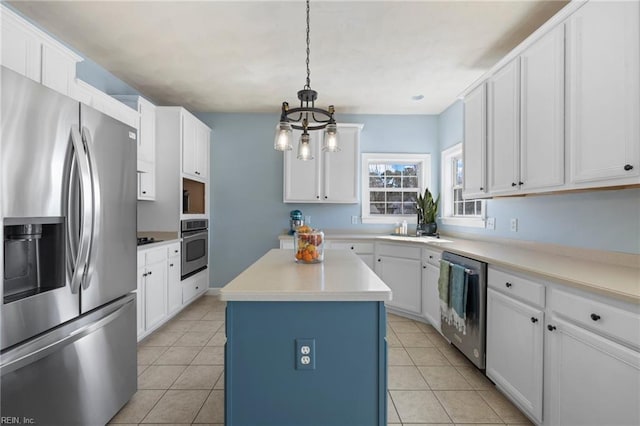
{"x":195,"y":246}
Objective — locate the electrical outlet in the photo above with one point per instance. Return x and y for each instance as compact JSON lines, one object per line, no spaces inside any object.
{"x":307,"y":220}
{"x":491,"y":223}
{"x":354,"y":220}
{"x":514,"y":225}
{"x":305,"y":354}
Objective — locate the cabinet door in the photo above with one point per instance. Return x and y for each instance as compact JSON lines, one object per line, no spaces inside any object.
{"x":341,"y":168}
{"x":155,"y":292}
{"x":173,"y":284}
{"x":430,"y":295}
{"x":514,"y":350}
{"x":542,"y":115}
{"x":302,"y":178}
{"x":403,"y":276}
{"x":147,"y":186}
{"x":189,"y":145}
{"x":603,"y":68}
{"x":503,"y":140}
{"x":202,"y":151}
{"x":20,"y":48}
{"x":146,"y":134}
{"x":58,"y":70}
{"x":475,"y":143}
{"x":591,"y":380}
{"x":140,"y":301}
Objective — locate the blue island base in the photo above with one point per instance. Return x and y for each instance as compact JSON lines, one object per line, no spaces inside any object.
{"x":343,"y":383}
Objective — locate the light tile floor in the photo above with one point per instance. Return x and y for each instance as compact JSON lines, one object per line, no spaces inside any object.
{"x":181,"y":380}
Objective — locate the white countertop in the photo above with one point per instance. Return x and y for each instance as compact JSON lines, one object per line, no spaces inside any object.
{"x":611,"y":274}
{"x":276,"y":277}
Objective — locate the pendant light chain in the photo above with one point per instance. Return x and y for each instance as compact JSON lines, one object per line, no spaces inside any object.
{"x":308,"y":86}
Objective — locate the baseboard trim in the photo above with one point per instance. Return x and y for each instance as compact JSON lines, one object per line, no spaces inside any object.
{"x":213,"y":291}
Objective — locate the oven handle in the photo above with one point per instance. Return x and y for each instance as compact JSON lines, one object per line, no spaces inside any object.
{"x":195,"y":234}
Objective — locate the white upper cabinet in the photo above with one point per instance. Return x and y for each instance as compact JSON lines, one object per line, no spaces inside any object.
{"x":542,"y":113}
{"x":331,"y":177}
{"x":146,"y":125}
{"x":475,"y":143}
{"x":603,"y":93}
{"x":503,"y":140}
{"x":34,"y":54}
{"x":302,"y":178}
{"x":195,"y":147}
{"x":526,"y":119}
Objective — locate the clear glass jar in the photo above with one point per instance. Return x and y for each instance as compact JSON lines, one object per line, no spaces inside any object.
{"x":308,"y":246}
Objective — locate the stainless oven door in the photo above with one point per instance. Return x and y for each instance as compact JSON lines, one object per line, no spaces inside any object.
{"x":195,"y":246}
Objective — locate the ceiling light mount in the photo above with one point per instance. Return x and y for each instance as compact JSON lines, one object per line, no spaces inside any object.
{"x":306,"y":117}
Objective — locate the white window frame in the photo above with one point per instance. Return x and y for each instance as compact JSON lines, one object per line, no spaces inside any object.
{"x":424,"y":180}
{"x":446,"y":193}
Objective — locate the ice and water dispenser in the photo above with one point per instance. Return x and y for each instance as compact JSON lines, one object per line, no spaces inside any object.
{"x":34,"y":254}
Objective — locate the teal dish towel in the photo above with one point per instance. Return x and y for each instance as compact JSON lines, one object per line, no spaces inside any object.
{"x":458,"y":290}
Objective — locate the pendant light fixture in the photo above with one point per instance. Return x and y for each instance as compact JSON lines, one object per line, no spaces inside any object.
{"x":310,"y":118}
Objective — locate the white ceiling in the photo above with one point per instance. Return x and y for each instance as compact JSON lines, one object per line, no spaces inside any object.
{"x":249,"y":56}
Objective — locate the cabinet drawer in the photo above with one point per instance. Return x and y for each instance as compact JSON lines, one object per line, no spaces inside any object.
{"x":191,"y":289}
{"x":606,"y":319}
{"x":173,"y":250}
{"x":517,"y":286}
{"x":155,"y":255}
{"x":403,"y":251}
{"x":359,"y":248}
{"x":431,"y":256}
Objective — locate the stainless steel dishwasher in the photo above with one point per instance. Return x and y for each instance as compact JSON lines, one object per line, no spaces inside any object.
{"x":472,"y":341}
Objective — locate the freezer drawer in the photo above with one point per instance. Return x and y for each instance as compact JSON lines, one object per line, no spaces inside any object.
{"x":81,"y":373}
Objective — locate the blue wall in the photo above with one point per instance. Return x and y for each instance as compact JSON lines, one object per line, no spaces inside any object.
{"x":248,"y":212}
{"x":602,"y":220}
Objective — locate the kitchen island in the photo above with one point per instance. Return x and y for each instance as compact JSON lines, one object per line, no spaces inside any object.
{"x":306,"y":343}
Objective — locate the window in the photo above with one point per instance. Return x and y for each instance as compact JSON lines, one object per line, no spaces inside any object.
{"x":455,"y":209}
{"x":391,"y":184}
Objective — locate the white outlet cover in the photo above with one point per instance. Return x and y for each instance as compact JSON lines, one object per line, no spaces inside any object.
{"x":491,"y":223}
{"x":514,"y":225}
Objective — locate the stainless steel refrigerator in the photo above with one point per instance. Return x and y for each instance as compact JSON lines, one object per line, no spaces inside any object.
{"x":68,"y":212}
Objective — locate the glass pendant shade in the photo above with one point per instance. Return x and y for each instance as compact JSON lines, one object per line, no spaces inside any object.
{"x":330,"y":143}
{"x":304,"y":148}
{"x":283,"y":137}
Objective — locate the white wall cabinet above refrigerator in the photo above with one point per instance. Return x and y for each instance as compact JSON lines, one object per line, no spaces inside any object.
{"x":331,"y":177}
{"x":34,"y":54}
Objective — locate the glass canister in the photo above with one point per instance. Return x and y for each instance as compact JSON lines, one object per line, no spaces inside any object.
{"x":308,"y":245}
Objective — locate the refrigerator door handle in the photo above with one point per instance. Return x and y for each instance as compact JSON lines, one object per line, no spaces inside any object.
{"x":95,"y":211}
{"x":40,"y":348}
{"x":72,"y":242}
{"x":85,"y":198}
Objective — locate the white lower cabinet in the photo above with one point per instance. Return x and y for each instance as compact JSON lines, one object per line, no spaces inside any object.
{"x":155,"y":292}
{"x":174,"y":285}
{"x":591,"y":377}
{"x":363,"y":249}
{"x":161,"y":293}
{"x":565,"y":357}
{"x":430,"y":294}
{"x":400,"y":268}
{"x":592,"y":380}
{"x":152,"y":289}
{"x":515,"y":350}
